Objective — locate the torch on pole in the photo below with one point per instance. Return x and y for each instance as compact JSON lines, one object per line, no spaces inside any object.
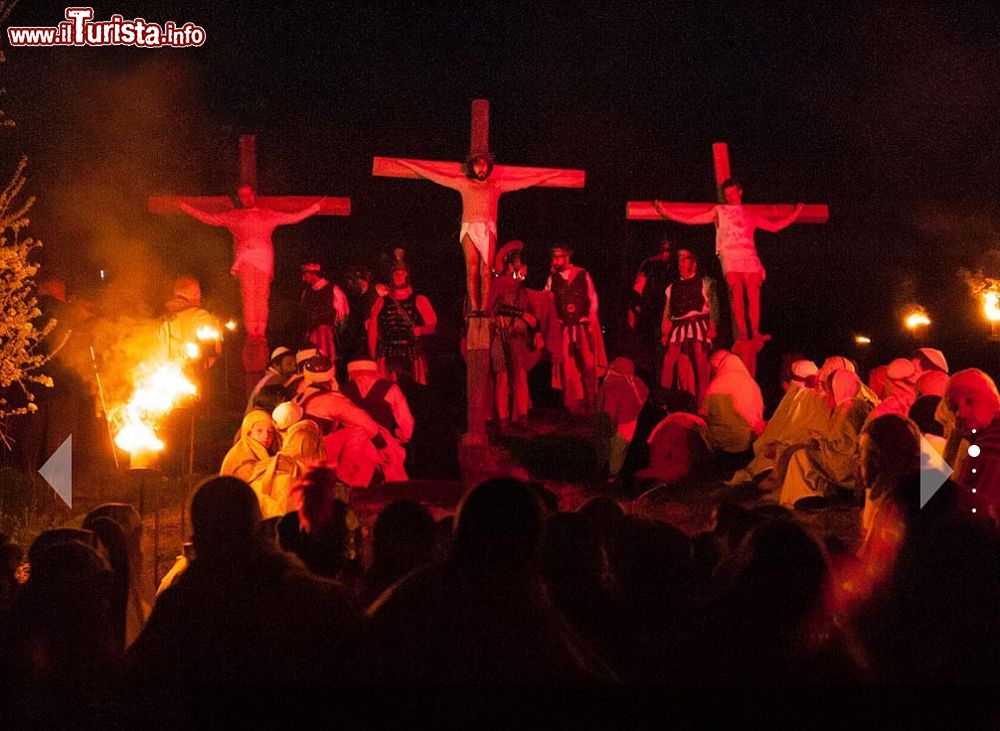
{"x":104,"y":406}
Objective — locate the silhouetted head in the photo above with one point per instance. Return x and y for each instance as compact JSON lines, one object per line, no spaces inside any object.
{"x":498,"y":528}
{"x":225,"y":519}
{"x":404,"y":535}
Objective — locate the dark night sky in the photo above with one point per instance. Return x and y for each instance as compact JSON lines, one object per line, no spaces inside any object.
{"x":887,"y":113}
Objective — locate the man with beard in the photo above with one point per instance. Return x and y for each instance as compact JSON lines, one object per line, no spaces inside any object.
{"x":583,"y":344}
{"x":480,"y":195}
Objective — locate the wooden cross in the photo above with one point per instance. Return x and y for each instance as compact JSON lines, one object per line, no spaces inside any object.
{"x":391,"y":167}
{"x":777,"y":213}
{"x":480,"y":197}
{"x":166,"y":205}
{"x":646,"y":211}
{"x":251,"y":229}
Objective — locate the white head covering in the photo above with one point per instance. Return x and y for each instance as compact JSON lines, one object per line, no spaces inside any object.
{"x":936,"y":357}
{"x":278,"y":352}
{"x":285,"y":414}
{"x":803,"y":369}
{"x":361,"y":365}
{"x":303,"y":355}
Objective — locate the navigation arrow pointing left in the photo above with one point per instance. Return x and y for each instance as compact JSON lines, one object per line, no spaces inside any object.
{"x":58,"y":471}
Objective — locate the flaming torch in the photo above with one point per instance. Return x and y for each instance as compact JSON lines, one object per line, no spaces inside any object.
{"x":157,"y":390}
{"x":991,"y":307}
{"x":916,"y":319}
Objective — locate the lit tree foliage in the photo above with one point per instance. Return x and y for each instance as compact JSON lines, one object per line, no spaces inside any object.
{"x":21,"y":354}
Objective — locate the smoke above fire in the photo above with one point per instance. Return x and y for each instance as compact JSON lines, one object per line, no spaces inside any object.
{"x":112,"y":138}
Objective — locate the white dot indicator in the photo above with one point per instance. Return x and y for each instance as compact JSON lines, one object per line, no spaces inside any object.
{"x":973,"y":510}
{"x":973,"y":491}
{"x":973,"y":431}
{"x":973,"y":470}
{"x":974,"y":450}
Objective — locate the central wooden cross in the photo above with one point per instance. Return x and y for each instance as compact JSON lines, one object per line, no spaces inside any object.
{"x":480,"y":196}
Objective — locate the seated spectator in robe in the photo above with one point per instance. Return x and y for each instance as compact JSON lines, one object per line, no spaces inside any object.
{"x":621,"y":397}
{"x":972,"y":396}
{"x":403,"y":540}
{"x":241,"y":614}
{"x":677,"y":447}
{"x":733,"y":407}
{"x":930,"y":389}
{"x":301,"y":446}
{"x":803,"y":412}
{"x":280,"y":368}
{"x":827,"y":462}
{"x":258,"y":441}
{"x":660,"y":403}
{"x":900,"y":379}
{"x":484,"y":616}
{"x":929,"y":359}
{"x":876,"y":380}
{"x":383,"y":400}
{"x":788,"y":375}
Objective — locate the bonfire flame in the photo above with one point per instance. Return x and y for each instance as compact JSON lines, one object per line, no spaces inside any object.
{"x":157,"y":390}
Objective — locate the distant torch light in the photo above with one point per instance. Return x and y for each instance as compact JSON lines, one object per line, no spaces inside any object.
{"x":192,"y":350}
{"x":862,"y":340}
{"x":917,"y":319}
{"x":231,"y":326}
{"x":991,"y":307}
{"x":102,"y":274}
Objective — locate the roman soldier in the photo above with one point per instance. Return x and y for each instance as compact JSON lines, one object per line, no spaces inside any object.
{"x":397,"y":324}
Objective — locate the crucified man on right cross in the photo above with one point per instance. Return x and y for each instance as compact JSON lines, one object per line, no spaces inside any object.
{"x":735,"y":224}
{"x":734,"y":240}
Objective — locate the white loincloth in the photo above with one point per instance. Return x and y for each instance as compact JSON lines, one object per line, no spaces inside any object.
{"x":479,"y":232}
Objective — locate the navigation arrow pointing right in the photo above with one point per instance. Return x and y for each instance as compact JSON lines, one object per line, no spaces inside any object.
{"x":934,"y":471}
